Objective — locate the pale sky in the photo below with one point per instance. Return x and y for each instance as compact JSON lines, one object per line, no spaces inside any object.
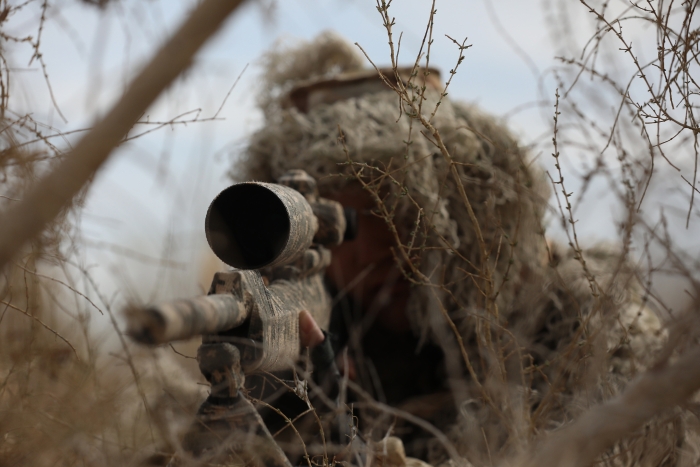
{"x":153,"y":193}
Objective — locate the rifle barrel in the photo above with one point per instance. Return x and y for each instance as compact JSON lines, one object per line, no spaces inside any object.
{"x":185,"y":318}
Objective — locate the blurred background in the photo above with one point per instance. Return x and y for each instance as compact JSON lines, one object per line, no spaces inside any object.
{"x":140,"y":231}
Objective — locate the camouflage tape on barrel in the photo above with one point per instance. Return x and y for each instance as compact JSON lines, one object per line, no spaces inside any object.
{"x":302,"y":223}
{"x":182,"y":319}
{"x":252,"y":225}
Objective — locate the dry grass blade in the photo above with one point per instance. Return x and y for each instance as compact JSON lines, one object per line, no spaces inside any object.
{"x":44,"y":325}
{"x":659,"y":389}
{"x":25,"y":219}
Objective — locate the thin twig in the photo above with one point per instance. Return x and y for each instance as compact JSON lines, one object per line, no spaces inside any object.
{"x":25,"y":219}
{"x":44,"y":325}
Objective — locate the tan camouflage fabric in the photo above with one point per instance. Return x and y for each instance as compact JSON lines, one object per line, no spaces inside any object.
{"x":185,"y":318}
{"x":582,"y":347}
{"x":390,"y":452}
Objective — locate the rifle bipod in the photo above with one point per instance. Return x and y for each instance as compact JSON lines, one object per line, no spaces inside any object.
{"x":227,"y":428}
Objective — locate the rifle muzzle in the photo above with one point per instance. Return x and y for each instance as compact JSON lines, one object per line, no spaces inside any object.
{"x":252,"y":225}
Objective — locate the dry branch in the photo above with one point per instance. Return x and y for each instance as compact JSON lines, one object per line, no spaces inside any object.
{"x":44,"y":325}
{"x":25,"y":219}
{"x":659,"y":389}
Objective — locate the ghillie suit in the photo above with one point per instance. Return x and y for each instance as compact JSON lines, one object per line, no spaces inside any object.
{"x":535,"y":333}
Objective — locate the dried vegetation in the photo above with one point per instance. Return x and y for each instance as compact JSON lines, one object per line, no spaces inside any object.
{"x":548,"y":335}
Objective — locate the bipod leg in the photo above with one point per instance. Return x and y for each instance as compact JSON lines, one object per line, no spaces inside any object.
{"x":227,"y":428}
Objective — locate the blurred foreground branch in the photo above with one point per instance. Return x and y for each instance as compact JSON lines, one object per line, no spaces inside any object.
{"x":25,"y":219}
{"x":662,"y":387}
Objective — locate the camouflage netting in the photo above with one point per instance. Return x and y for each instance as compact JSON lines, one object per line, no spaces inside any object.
{"x":543,"y":294}
{"x":506,"y":194}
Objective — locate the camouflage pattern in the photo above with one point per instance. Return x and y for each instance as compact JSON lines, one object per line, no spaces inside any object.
{"x":330,"y":215}
{"x":252,"y":225}
{"x":300,"y":181}
{"x":249,"y":287}
{"x":273,"y":327}
{"x":303,"y":223}
{"x":292,"y":297}
{"x":231,"y":433}
{"x":183,"y":319}
{"x":390,"y":452}
{"x":250,"y":322}
{"x":302,"y":283}
{"x":308,"y":95}
{"x":580,"y":346}
{"x":227,"y":427}
{"x":332,"y":223}
{"x":220,"y":363}
{"x":296,"y":283}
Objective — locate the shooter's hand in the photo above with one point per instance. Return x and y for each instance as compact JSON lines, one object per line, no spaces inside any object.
{"x":310,"y":333}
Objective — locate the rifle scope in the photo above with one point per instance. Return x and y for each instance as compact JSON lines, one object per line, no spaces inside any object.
{"x":251,"y":225}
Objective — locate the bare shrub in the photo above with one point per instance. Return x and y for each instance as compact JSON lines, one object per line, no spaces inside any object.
{"x":68,"y":394}
{"x":600,"y":329}
{"x":534,"y":333}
